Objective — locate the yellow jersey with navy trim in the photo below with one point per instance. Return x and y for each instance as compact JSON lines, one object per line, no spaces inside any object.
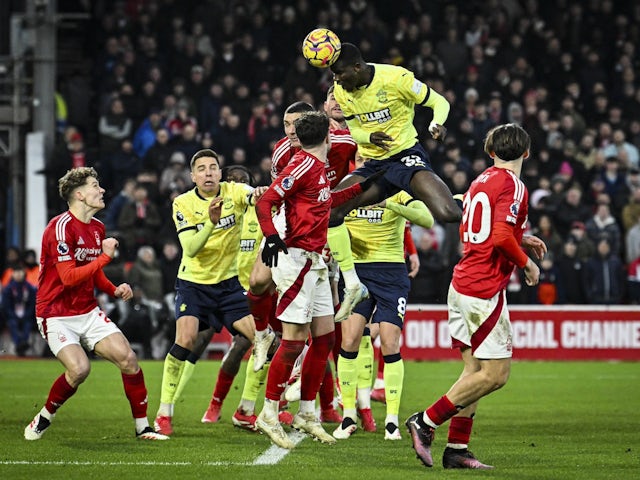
{"x":249,"y":245}
{"x":385,"y":104}
{"x":377,"y":234}
{"x":217,"y":259}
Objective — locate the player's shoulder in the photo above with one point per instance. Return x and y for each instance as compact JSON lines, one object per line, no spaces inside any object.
{"x":61,"y":222}
{"x":281,"y":148}
{"x":341,"y":136}
{"x":282,"y":153}
{"x":303,"y":162}
{"x":499,"y":180}
{"x":390,"y":73}
{"x":186,"y":196}
{"x":96,"y":222}
{"x":234,"y":189}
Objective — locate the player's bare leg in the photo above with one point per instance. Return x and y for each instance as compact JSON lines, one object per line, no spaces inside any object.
{"x":117,"y":350}
{"x":430,"y":188}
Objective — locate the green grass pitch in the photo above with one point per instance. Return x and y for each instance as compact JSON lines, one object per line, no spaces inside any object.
{"x":562,"y":421}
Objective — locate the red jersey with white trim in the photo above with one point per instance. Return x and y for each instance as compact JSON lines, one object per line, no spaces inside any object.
{"x":67,"y":239}
{"x":304,"y":189}
{"x":497,"y":195}
{"x":342,"y":152}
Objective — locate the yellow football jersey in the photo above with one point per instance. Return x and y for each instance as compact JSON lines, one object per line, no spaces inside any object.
{"x":386,"y":104}
{"x":249,"y":245}
{"x":217,"y":260}
{"x":377,"y":234}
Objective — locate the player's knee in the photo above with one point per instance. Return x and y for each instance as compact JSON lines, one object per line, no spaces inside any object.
{"x":233,"y":358}
{"x":495,"y":379}
{"x":448,"y":212}
{"x":350,"y":343}
{"x":129,"y":363}
{"x":260,"y":278}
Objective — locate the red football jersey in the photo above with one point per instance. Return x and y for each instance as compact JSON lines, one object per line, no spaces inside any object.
{"x":342,"y":152}
{"x":304,"y":188}
{"x":497,"y":195}
{"x":67,"y":239}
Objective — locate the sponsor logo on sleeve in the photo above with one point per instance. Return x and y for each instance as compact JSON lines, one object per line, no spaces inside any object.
{"x":416,"y":87}
{"x":180,"y":219}
{"x":63,"y":248}
{"x":287,"y":182}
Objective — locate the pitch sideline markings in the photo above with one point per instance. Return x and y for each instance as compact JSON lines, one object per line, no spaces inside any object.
{"x":274,"y":453}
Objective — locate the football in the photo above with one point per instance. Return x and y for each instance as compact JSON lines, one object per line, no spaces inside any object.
{"x":321,"y":47}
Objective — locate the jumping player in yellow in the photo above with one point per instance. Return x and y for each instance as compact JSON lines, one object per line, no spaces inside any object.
{"x":378,"y":104}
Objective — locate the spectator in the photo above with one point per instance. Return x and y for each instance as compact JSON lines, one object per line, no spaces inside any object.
{"x":210,"y":106}
{"x":547,"y":233}
{"x":114,"y":126}
{"x":427,"y":286}
{"x":187,"y":142}
{"x":145,"y":136}
{"x":112,"y":212}
{"x":119,"y":166}
{"x":136,"y":320}
{"x":138,"y":222}
{"x":571,"y":275}
{"x":19,"y":308}
{"x":547,"y":292}
{"x":625,"y":152}
{"x":605,"y":276}
{"x":12,"y":259}
{"x":31,"y":266}
{"x":231,"y":136}
{"x":176,"y":176}
{"x":183,"y":118}
{"x":571,"y":209}
{"x":453,"y":54}
{"x":602,"y":225}
{"x":614,"y":183}
{"x":146,"y":274}
{"x":158,"y":156}
{"x":169,"y":262}
{"x":585,"y":248}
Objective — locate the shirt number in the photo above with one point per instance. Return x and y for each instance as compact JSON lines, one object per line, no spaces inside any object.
{"x":470,"y":206}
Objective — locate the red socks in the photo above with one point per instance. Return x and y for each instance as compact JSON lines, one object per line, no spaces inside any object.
{"x":260,"y":307}
{"x":281,"y":366}
{"x":60,"y":392}
{"x":223,"y":385}
{"x":441,"y":411}
{"x":136,"y":392}
{"x":380,"y":373}
{"x":460,"y":430}
{"x":326,"y":389}
{"x":314,"y":365}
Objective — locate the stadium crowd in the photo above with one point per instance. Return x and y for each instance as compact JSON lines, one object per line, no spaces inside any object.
{"x":162,"y":79}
